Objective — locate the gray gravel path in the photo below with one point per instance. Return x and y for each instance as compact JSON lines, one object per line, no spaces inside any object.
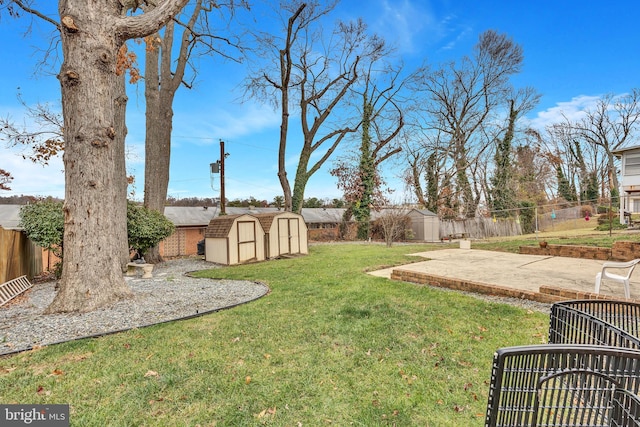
{"x":170,"y":295}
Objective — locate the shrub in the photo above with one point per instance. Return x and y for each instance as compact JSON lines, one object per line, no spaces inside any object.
{"x":586,"y":210}
{"x":615,"y":225}
{"x":43,"y":223}
{"x":527,"y":217}
{"x":146,"y":228}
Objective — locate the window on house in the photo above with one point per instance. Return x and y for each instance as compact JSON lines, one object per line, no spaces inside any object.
{"x":632,"y":164}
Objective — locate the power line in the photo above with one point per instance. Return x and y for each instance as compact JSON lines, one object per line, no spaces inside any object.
{"x":226,"y":141}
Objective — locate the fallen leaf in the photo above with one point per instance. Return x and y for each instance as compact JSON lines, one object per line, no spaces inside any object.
{"x":236,"y":339}
{"x":467,"y":386}
{"x":458,"y":408}
{"x":267,"y":356}
{"x":151,"y":373}
{"x":266,"y":412}
{"x":55,"y":372}
{"x":247,"y":380}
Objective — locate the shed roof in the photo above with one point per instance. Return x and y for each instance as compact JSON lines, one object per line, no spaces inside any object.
{"x":424,"y":212}
{"x":266,"y":219}
{"x":219,"y":227}
{"x":10,"y":217}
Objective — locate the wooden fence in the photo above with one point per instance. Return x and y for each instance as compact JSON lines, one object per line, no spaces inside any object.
{"x":479,"y":228}
{"x":19,"y":256}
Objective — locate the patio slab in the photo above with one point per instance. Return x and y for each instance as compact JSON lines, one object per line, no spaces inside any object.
{"x":566,"y":277}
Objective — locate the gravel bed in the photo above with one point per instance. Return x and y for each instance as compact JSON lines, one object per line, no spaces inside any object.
{"x":170,"y":295}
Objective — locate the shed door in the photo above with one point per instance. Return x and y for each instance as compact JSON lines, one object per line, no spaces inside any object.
{"x":288,"y":235}
{"x":246,"y":241}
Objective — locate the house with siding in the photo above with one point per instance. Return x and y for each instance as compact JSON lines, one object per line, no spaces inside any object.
{"x":630,"y":180}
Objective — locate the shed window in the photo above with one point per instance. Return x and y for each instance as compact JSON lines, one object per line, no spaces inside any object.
{"x":632,"y":164}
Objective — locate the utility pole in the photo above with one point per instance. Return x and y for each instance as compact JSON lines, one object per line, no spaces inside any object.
{"x":222,"y":199}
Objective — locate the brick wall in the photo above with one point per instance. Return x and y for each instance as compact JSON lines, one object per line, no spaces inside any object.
{"x":621,"y":251}
{"x":571,"y":251}
{"x":625,"y":251}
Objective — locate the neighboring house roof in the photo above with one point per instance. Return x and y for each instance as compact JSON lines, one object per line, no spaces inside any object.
{"x":183,"y":216}
{"x":322,"y":215}
{"x":621,"y":151}
{"x":10,"y":217}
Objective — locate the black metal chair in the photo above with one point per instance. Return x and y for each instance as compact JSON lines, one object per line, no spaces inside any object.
{"x":626,"y":409}
{"x":564,"y":385}
{"x":597,"y":322}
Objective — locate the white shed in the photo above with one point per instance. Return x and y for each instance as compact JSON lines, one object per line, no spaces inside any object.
{"x":234,"y":239}
{"x":285,"y":234}
{"x":425,"y":225}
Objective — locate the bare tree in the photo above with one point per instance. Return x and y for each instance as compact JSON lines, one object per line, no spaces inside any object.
{"x":315,"y":73}
{"x":603,"y":129}
{"x":392,"y":222}
{"x":42,"y":141}
{"x":461,"y":99}
{"x":164,"y":74}
{"x":5,"y":179}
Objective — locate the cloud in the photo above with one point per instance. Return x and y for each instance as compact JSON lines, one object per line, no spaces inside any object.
{"x":572,"y":110}
{"x":230,"y":122}
{"x":406,"y":20}
{"x":33,"y":179}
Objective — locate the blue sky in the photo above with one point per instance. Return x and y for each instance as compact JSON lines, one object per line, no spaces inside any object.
{"x":574,"y":52}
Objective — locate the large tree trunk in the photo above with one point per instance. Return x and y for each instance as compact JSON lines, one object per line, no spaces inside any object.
{"x":159,"y":118}
{"x":94,"y":217}
{"x":121,"y":169}
{"x":93,"y":220}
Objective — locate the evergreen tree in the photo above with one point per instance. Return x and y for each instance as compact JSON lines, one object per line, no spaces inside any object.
{"x":566,"y":190}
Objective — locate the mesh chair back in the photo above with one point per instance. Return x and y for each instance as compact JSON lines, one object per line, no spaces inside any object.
{"x":626,"y":409}
{"x":608,"y":323}
{"x":551,"y":385}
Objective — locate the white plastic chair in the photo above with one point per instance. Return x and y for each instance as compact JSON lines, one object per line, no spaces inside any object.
{"x":604,"y":274}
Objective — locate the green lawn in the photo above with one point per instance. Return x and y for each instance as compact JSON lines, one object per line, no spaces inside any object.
{"x":330,"y":345}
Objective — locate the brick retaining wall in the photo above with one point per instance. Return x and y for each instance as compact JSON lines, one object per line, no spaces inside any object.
{"x":571,"y":251}
{"x":621,"y":251}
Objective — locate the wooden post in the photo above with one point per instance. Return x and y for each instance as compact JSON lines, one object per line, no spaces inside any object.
{"x":222,"y":199}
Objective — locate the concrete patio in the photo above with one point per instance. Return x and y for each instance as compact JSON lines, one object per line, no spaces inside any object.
{"x":536,"y":277}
